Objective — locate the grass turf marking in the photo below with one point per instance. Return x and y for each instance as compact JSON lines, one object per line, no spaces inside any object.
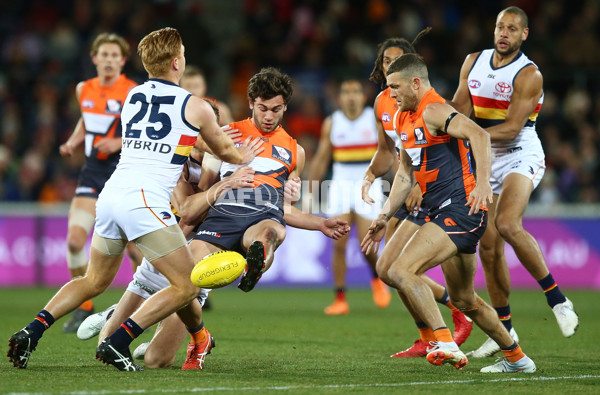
{"x":316,"y":387}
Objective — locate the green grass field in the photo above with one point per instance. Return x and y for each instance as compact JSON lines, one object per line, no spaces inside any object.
{"x":273,"y":340}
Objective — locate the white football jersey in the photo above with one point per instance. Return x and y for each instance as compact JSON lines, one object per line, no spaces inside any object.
{"x":491,"y":90}
{"x":354,"y":142}
{"x":157,"y":140}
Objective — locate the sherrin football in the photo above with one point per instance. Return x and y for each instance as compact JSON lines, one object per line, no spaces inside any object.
{"x":218,"y":269}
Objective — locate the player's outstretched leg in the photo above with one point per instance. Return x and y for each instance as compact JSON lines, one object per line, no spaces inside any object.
{"x":121,"y":359}
{"x":255,"y":264}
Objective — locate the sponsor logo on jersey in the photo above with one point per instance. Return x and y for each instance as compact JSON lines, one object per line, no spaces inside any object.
{"x":113,"y":106}
{"x":87,"y":103}
{"x":503,"y":87}
{"x":420,"y":136}
{"x":209,"y":233}
{"x":282,"y":154}
{"x":385,"y":117}
{"x":403,"y":137}
{"x":491,"y":76}
{"x":146,"y":145}
{"x":165,"y":215}
{"x":474,"y":84}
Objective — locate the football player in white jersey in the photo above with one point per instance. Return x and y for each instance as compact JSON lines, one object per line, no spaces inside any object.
{"x":161,"y":123}
{"x":504,"y":90}
{"x":99,"y":130}
{"x":349,"y":137}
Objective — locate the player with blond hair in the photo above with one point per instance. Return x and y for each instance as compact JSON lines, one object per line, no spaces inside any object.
{"x":162,"y":123}
{"x":99,"y":128}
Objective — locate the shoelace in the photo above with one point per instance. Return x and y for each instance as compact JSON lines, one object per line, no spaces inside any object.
{"x":434,"y":346}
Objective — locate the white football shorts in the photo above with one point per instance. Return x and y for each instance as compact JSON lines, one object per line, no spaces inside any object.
{"x":529,"y":162}
{"x":128,"y":213}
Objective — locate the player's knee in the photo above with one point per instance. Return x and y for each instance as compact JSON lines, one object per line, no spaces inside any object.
{"x":382,"y":267}
{"x":75,"y":242}
{"x":158,"y":360}
{"x":397,"y":275}
{"x":468,"y":305}
{"x":272,"y":234}
{"x":508,"y":228}
{"x":98,"y":282}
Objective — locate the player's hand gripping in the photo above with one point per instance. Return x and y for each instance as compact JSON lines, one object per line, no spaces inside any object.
{"x":291,"y":190}
{"x":109,"y":145}
{"x":414,"y":199}
{"x":479,"y":197}
{"x":335,"y":228}
{"x":374,"y":235}
{"x":249,"y":149}
{"x":367,"y":181}
{"x":66,"y":149}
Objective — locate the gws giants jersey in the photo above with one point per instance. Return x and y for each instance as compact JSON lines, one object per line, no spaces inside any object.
{"x":441,"y":164}
{"x":272,"y":168}
{"x":386,"y":108}
{"x":491,"y":89}
{"x":101,"y":113}
{"x":157,"y":139}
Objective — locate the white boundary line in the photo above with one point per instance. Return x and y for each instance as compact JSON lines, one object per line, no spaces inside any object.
{"x":314,"y":387}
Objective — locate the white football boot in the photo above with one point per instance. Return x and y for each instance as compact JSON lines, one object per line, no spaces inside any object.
{"x":567,"y":318}
{"x":489,"y":347}
{"x":140,"y":350}
{"x":93,"y":324}
{"x":523,"y":365}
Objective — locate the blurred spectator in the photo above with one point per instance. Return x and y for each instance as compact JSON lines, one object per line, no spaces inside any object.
{"x":44,"y":44}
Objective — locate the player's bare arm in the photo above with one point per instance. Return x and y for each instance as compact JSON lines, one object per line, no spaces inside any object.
{"x":210,"y":172}
{"x":78,"y":135}
{"x":109,"y":145}
{"x":439,"y":119}
{"x":331,"y":227}
{"x":527,"y":92}
{"x":462,"y":97}
{"x":292,"y":188}
{"x":191,"y":208}
{"x":404,"y":181}
{"x":322,"y":158}
{"x":383,"y":160}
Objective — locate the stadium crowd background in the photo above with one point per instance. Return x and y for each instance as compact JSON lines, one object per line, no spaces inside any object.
{"x":44,"y":53}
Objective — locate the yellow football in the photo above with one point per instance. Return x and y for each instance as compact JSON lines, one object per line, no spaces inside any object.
{"x":218,"y":269}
